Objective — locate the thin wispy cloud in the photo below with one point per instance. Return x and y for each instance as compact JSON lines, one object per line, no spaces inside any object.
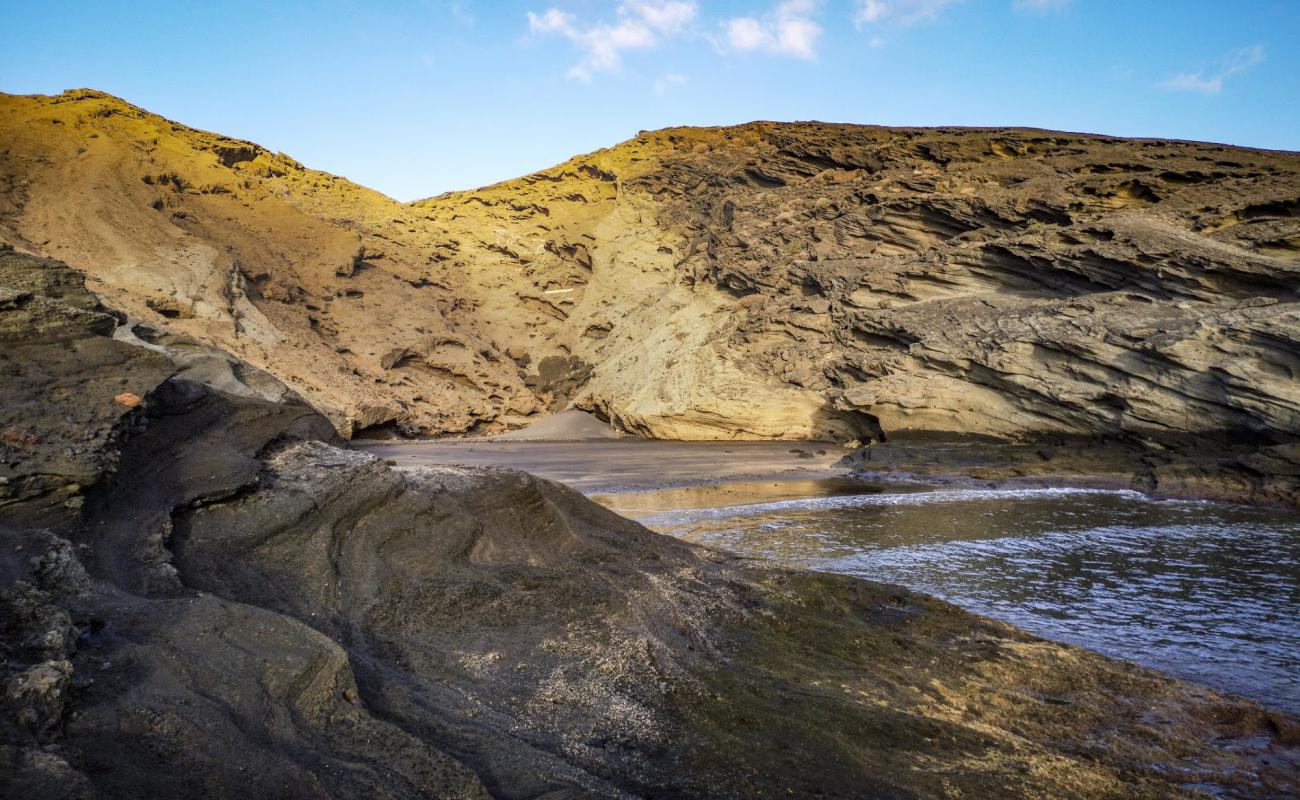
{"x":1041,"y":6}
{"x":639,"y":25}
{"x":462,"y":11}
{"x":900,"y":13}
{"x":1210,"y":81}
{"x":666,"y":83}
{"x":789,"y":29}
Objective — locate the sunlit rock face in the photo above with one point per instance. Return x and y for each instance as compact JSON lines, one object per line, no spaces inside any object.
{"x":1004,"y":283}
{"x":769,"y":280}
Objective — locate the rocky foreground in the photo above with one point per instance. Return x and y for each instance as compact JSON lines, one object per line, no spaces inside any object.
{"x":1127,"y":306}
{"x":203,"y":595}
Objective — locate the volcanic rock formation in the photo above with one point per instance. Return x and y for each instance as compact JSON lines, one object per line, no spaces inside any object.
{"x":289,"y":269}
{"x":769,"y":280}
{"x":201,"y":595}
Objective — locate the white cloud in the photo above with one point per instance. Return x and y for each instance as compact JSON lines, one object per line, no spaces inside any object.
{"x":1041,"y":6}
{"x":898,"y":12}
{"x":667,"y":82}
{"x":462,"y":12}
{"x":789,"y":29}
{"x":669,"y":16}
{"x":553,"y":20}
{"x":642,"y":24}
{"x":1194,"y":82}
{"x":1210,"y":81}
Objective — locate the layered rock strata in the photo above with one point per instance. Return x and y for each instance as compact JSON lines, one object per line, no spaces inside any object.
{"x":763,"y":281}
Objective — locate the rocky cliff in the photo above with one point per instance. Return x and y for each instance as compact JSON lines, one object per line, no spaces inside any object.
{"x":291,"y":270}
{"x":769,"y":280}
{"x":201,"y":595}
{"x":836,"y":280}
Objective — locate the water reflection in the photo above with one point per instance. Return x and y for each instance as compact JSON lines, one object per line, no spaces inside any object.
{"x":1207,"y":591}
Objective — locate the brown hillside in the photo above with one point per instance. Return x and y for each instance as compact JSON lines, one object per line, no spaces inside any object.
{"x":293,"y":270}
{"x":770,"y":280}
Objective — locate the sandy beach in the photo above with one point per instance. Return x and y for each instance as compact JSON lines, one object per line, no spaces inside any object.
{"x":628,"y":465}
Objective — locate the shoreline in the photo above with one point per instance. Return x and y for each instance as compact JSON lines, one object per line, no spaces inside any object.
{"x":917,"y":465}
{"x":781,"y":473}
{"x":608,"y":466}
{"x":670,"y":511}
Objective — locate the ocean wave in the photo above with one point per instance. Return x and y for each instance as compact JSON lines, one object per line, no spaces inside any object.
{"x":838,"y":502}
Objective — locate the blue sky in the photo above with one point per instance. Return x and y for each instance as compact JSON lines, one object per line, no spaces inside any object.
{"x":417,"y":98}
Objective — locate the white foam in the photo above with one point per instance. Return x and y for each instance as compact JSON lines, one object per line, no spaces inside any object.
{"x":686,"y":517}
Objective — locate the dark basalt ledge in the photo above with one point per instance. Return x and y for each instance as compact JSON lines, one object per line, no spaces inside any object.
{"x":1220,"y":465}
{"x":199,"y":597}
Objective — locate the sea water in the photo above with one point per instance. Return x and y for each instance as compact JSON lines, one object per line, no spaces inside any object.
{"x":1206,"y":591}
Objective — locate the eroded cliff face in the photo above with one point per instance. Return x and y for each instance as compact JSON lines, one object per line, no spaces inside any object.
{"x":769,"y":280}
{"x":1006,"y":283}
{"x":287,"y":268}
{"x":201,"y":595}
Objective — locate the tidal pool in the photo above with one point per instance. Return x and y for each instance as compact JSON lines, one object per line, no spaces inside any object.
{"x":1206,"y":591}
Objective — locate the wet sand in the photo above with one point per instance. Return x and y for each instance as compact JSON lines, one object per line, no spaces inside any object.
{"x":631,"y":465}
{"x":644,"y":502}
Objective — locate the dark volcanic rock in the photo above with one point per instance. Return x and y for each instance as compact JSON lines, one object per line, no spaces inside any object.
{"x":234,"y":608}
{"x":59,"y":375}
{"x":1184,"y":466}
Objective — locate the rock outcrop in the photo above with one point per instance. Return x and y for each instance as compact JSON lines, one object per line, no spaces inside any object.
{"x":201,"y":595}
{"x":296,"y":272}
{"x":895,"y":284}
{"x":764,"y":281}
